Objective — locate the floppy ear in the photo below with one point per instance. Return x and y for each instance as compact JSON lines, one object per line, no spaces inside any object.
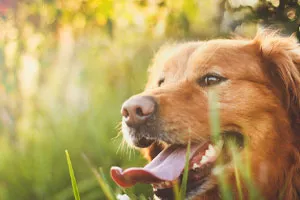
{"x":282,"y":58}
{"x":282,"y":55}
{"x":293,"y":179}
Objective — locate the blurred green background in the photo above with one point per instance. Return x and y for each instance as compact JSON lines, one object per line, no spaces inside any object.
{"x":67,"y":66}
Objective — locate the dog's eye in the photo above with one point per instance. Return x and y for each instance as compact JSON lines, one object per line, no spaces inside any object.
{"x":161,"y":81}
{"x":210,"y":80}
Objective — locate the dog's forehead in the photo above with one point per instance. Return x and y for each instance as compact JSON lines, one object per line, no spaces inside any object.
{"x":232,"y":58}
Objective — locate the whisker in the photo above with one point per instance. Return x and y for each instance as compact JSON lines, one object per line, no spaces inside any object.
{"x":117,"y":136}
{"x":127,"y":150}
{"x":121,"y":146}
{"x":119,"y":125}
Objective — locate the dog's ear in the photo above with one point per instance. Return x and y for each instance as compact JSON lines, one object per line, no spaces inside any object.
{"x":293,"y":179}
{"x":282,"y":55}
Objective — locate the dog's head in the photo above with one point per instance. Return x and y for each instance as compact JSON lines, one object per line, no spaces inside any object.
{"x":258,"y":87}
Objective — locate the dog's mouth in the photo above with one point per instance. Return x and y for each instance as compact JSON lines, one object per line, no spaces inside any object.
{"x":167,"y":168}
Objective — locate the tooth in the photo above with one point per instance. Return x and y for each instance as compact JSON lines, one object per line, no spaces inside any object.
{"x":204,"y":160}
{"x":207,"y":152}
{"x":210,"y":153}
{"x":195,"y":166}
{"x":212,"y":149}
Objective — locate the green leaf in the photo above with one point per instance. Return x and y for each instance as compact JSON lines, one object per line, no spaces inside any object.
{"x":176,"y":191}
{"x":215,"y":127}
{"x":101,"y":180}
{"x":185,"y":173}
{"x":72,"y":176}
{"x":214,"y":115}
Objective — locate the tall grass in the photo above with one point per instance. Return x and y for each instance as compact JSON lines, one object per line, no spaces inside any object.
{"x":242,"y":168}
{"x":72,"y":176}
{"x":215,"y":132}
{"x":185,"y":172}
{"x":101,"y":179}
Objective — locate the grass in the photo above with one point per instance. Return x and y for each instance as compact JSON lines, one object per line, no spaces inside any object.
{"x":185,"y":172}
{"x":215,"y":130}
{"x":72,"y":176}
{"x":101,"y":180}
{"x":241,"y":167}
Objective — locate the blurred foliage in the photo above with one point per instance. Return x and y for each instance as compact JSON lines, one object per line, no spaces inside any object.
{"x":67,"y":66}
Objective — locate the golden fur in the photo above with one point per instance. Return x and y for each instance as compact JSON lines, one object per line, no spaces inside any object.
{"x":260,"y":99}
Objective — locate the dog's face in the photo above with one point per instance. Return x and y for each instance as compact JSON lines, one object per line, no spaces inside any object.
{"x":256,"y":102}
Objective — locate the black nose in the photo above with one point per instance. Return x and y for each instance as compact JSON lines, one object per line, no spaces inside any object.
{"x":137,"y":110}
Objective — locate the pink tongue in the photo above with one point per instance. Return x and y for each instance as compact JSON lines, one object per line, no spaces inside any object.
{"x":166,"y":166}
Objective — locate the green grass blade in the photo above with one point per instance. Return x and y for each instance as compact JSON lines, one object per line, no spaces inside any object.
{"x":72,"y":176}
{"x":105,"y":186}
{"x":142,"y":197}
{"x":101,"y":180}
{"x":185,"y":173}
{"x":236,"y":164}
{"x":130,"y":193}
{"x":176,"y":191}
{"x":215,"y":131}
{"x":214,"y":115}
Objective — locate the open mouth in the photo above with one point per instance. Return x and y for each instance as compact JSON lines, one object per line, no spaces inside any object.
{"x":166,"y":169}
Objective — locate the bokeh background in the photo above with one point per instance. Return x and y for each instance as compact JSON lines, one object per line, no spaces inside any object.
{"x":66,"y":66}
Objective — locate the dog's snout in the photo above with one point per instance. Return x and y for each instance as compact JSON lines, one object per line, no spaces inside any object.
{"x":138,"y":109}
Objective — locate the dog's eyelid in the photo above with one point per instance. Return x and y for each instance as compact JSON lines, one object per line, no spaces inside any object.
{"x":211,"y":79}
{"x":213,"y":74}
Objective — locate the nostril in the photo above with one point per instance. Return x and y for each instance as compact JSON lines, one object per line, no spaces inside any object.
{"x":139,"y":112}
{"x":125,"y":112}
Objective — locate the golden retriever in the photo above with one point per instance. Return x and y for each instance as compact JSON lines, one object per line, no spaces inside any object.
{"x":258,"y":87}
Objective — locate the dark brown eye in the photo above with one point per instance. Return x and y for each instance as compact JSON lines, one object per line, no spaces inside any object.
{"x":210,"y":80}
{"x":161,"y":81}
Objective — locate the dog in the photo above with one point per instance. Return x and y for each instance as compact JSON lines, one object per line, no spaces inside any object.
{"x":257,"y":84}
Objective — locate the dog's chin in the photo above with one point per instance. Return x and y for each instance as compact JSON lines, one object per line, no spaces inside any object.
{"x":136,"y":138}
{"x":141,"y":142}
{"x":144,"y":136}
